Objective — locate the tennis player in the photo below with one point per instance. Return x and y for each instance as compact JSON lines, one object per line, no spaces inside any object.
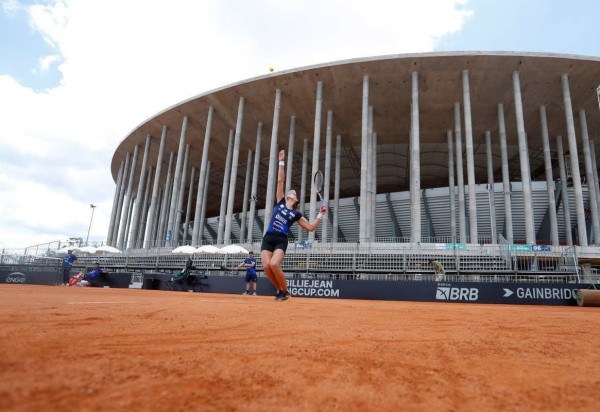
{"x":275,"y":240}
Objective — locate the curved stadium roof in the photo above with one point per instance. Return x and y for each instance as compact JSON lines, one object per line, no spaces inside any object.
{"x":440,"y":86}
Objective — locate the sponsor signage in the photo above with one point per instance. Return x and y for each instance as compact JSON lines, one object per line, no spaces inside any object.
{"x":16,"y":277}
{"x":33,"y":275}
{"x":519,"y":248}
{"x":312,"y":287}
{"x":541,"y":248}
{"x":459,"y":246}
{"x":457,"y":294}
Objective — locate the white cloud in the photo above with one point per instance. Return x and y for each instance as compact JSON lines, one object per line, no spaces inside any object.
{"x":123,"y":61}
{"x":46,"y":61}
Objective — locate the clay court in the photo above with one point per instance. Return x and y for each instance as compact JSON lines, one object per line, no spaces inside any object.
{"x":119,"y":349}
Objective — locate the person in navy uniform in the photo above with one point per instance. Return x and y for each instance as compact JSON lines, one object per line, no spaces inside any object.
{"x":96,"y":277}
{"x":250,"y":263}
{"x":68,"y":261}
{"x":275,"y":240}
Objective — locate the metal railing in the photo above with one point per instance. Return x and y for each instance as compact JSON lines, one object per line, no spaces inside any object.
{"x":371,"y":260}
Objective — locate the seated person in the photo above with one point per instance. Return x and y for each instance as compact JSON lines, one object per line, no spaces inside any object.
{"x":96,"y":277}
{"x":185,"y":273}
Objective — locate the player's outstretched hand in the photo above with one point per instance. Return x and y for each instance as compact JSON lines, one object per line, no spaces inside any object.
{"x":323,"y":209}
{"x":282,"y":155}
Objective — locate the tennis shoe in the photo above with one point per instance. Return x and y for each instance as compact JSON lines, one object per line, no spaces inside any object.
{"x":246,"y":293}
{"x":253,"y":293}
{"x":285,"y":296}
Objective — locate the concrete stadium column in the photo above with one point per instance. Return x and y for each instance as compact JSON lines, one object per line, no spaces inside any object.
{"x":204,"y":197}
{"x":327,"y":176}
{"x":272,"y":175}
{"x":564,"y":192}
{"x":462,"y":221}
{"x":253,"y":191}
{"x":164,"y":209}
{"x":315,"y":155}
{"x":363,"y":159}
{"x":490,"y":178}
{"x":225,"y":188}
{"x":451,"y":188}
{"x":177,"y":181}
{"x":188,"y":209}
{"x":524,"y":161}
{"x":179,"y":209}
{"x":549,"y":178}
{"x":369,"y":191}
{"x":137,"y":208}
{"x":415,"y":164}
{"x":595,"y":169}
{"x":125,"y":178}
{"x":374,"y":190}
{"x":125,"y":216}
{"x":196,"y":235}
{"x":289,"y":157}
{"x":470,"y":158}
{"x":145,"y":206}
{"x":589,"y":171}
{"x":303,"y":184}
{"x":155,"y":229}
{"x":336,"y":190}
{"x":245,"y":198}
{"x":128,"y":223}
{"x":581,"y":228}
{"x":154,"y":202}
{"x":234,"y":168}
{"x":505,"y":176}
{"x":113,"y":213}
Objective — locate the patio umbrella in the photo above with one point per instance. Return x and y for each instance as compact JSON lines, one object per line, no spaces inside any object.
{"x":87,"y":249}
{"x":233,"y":249}
{"x":107,"y":249}
{"x":208,"y":249}
{"x":184,"y":250}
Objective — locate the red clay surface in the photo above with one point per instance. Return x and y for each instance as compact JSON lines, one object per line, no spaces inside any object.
{"x":118,"y":349}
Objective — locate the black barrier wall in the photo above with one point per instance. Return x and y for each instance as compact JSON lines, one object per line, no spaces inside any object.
{"x":418,"y":291}
{"x":30,"y":274}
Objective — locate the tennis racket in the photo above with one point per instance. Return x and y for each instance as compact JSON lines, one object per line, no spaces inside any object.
{"x":318,"y":184}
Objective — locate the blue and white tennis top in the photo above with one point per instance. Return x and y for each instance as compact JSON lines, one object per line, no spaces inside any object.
{"x":282,"y":219}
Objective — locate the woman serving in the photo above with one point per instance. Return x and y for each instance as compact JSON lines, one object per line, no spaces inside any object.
{"x":275,"y":240}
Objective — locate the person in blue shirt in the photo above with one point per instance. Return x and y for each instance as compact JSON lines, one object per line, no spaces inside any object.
{"x":68,"y":261}
{"x":96,"y":276}
{"x":250,"y":263}
{"x":275,"y":240}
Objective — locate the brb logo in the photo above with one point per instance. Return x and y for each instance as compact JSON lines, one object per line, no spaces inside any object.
{"x":457,"y":294}
{"x":15,"y":277}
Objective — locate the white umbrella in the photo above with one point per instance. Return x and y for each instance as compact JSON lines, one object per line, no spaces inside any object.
{"x":208,"y":249}
{"x":233,"y":249}
{"x":88,"y":249}
{"x":184,"y":250}
{"x":107,"y":249}
{"x":67,"y":248}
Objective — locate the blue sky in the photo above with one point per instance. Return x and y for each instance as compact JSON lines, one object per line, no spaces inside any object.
{"x":75,"y":75}
{"x":556,"y":26}
{"x":21,"y":48}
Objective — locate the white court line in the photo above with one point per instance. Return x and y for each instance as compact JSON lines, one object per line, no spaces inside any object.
{"x":93,"y":303}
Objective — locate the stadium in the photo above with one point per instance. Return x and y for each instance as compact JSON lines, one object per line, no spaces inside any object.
{"x":483,"y":162}
{"x":383,"y":129}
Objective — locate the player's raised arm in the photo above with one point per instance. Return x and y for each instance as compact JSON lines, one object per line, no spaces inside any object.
{"x":281,"y":175}
{"x":312,"y":226}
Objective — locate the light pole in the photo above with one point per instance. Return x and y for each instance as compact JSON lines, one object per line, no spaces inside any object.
{"x":88,"y":234}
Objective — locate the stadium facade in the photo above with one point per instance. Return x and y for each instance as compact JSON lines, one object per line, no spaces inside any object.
{"x":438,"y":147}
